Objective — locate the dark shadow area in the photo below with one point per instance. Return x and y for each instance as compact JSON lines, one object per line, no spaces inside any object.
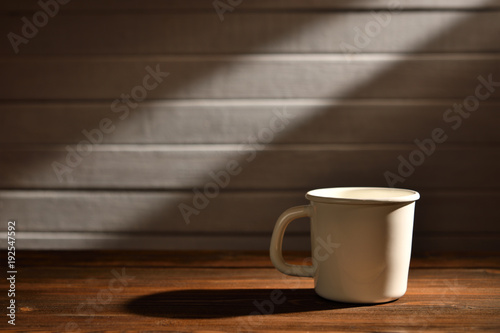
{"x":222,"y":303}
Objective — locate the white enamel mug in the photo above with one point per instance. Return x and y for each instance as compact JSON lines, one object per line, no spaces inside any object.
{"x":361,"y":242}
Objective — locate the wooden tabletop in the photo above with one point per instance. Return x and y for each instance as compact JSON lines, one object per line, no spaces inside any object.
{"x":226,"y":291}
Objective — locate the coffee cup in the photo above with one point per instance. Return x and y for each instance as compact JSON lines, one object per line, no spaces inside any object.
{"x":361,"y":239}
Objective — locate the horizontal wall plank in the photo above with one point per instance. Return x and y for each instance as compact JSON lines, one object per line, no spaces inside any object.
{"x":73,"y":241}
{"x":236,"y":121}
{"x":275,"y":167}
{"x":202,"y":32}
{"x":263,"y":76}
{"x":134,"y":5}
{"x":230,"y":212}
{"x":90,"y":241}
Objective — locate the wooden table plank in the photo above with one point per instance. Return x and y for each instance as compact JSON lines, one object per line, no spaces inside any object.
{"x":230,"y":291}
{"x":191,"y":259}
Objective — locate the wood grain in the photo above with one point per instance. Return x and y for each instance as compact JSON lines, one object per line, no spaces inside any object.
{"x":218,"y":291}
{"x":443,"y":242}
{"x":226,"y":259}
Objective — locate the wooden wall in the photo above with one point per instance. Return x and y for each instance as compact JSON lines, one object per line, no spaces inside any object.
{"x":349,"y":117}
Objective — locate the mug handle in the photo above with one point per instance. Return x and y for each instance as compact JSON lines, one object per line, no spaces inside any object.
{"x":275,"y":249}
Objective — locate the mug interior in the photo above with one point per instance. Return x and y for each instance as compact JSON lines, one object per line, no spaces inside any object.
{"x":366,"y":195}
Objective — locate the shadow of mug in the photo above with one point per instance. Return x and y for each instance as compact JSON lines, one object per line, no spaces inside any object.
{"x":224,"y":303}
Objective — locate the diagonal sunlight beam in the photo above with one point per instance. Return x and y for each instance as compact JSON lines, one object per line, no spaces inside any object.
{"x":394,"y":63}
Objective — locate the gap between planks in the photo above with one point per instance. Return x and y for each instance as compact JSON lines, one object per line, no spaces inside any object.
{"x":278,"y":57}
{"x":274,"y":102}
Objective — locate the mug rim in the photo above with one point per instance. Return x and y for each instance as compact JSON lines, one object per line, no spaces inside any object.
{"x":371,"y":195}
